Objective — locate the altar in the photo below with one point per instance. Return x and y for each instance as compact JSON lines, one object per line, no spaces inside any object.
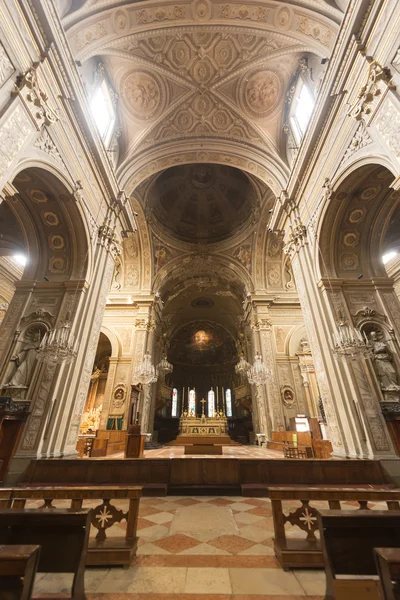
{"x":209,"y":426}
{"x":203,"y":435}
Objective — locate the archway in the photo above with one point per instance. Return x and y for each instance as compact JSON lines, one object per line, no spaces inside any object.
{"x":356,"y":289}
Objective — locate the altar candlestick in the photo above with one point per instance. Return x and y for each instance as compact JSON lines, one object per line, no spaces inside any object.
{"x":183,"y":400}
{"x":217,"y":401}
{"x":223,"y":402}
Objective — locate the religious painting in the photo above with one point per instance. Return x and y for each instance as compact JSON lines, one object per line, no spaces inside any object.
{"x":202,"y":343}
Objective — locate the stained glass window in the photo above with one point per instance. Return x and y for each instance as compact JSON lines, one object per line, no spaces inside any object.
{"x":228,"y":402}
{"x":211,"y":404}
{"x":174,"y":411}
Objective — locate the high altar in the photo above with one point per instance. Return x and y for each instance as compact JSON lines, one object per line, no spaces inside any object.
{"x":190,"y":426}
{"x":203,"y":435}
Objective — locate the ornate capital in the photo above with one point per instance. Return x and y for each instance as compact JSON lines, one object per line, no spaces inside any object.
{"x":35,"y":99}
{"x":297,"y":238}
{"x":378,"y":79}
{"x":108,"y":239}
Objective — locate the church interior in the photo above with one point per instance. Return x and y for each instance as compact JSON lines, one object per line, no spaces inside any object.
{"x":199,"y":299}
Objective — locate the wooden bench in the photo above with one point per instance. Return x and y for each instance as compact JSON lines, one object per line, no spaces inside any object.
{"x":18,"y":565}
{"x":62,"y":535}
{"x":348,"y":539}
{"x":388,"y":567}
{"x":102,"y":550}
{"x":306,"y":551}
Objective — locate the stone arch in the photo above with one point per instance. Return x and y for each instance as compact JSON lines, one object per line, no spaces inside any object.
{"x":294,"y":338}
{"x":44,"y":203}
{"x":114,"y":341}
{"x":233,"y":154}
{"x":58,"y":251}
{"x":354,"y":221}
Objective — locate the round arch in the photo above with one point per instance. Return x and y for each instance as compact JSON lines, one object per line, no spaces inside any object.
{"x":354,"y":220}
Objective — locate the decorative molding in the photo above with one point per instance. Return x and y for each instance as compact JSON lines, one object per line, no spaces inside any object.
{"x":35,"y":99}
{"x":46,"y":144}
{"x":378,"y":79}
{"x":13,"y":135}
{"x":360,"y":140}
{"x":387,"y":123}
{"x":6,"y":66}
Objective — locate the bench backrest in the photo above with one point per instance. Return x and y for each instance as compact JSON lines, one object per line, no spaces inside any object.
{"x":62,"y":534}
{"x":348,"y":539}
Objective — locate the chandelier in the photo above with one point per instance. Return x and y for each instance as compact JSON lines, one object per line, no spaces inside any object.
{"x":146,"y":372}
{"x":57,"y":345}
{"x":258,"y":372}
{"x":164,"y":366}
{"x":348,"y":343}
{"x":242,"y":366}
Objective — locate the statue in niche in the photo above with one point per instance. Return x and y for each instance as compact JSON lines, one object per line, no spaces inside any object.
{"x":384,"y":367}
{"x":25,"y":360}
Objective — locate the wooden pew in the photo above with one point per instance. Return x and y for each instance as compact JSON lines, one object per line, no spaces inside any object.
{"x":306,"y":551}
{"x":102,"y":550}
{"x":388,"y":567}
{"x":18,"y":565}
{"x":348,"y":539}
{"x":62,"y":535}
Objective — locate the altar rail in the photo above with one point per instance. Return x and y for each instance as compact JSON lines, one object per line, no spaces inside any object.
{"x":306,"y":551}
{"x":252,"y":476}
{"x":102,"y":550}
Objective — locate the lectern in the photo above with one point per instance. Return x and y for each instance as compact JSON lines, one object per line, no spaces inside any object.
{"x":134,"y":442}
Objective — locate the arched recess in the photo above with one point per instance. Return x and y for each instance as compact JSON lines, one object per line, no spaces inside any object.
{"x":99,"y":383}
{"x":354,"y":222}
{"x":57,"y":253}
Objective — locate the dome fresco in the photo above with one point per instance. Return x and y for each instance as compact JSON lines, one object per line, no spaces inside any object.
{"x":202,"y":203}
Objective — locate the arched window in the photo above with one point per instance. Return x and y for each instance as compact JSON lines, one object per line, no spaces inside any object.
{"x":192,"y":403}
{"x":211,"y":404}
{"x":174,"y":409}
{"x":102,"y":106}
{"x":302,"y":107}
{"x":228,"y":402}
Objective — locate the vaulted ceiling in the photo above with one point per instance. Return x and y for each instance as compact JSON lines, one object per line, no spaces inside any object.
{"x":194,"y":70}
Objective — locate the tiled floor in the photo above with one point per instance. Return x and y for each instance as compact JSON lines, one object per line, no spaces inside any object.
{"x":197,"y":548}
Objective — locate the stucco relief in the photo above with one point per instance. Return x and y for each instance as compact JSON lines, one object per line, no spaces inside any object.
{"x":13,"y":135}
{"x":260,"y":92}
{"x":143,"y":93}
{"x":387,"y":123}
{"x":6,"y":66}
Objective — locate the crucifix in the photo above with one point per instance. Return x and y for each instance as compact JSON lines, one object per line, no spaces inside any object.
{"x":202,"y":402}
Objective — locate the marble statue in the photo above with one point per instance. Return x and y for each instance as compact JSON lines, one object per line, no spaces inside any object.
{"x":25,"y":360}
{"x":383,"y":364}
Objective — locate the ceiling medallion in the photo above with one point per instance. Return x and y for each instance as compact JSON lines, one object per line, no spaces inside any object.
{"x":260,"y":93}
{"x":143,"y":94}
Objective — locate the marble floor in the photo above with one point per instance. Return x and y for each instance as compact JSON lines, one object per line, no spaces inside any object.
{"x":227,"y":452}
{"x":192,"y":548}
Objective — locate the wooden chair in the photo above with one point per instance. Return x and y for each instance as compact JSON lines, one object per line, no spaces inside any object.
{"x":62,"y":534}
{"x":18,"y":565}
{"x":348,"y":539}
{"x":306,"y":551}
{"x":388,"y":567}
